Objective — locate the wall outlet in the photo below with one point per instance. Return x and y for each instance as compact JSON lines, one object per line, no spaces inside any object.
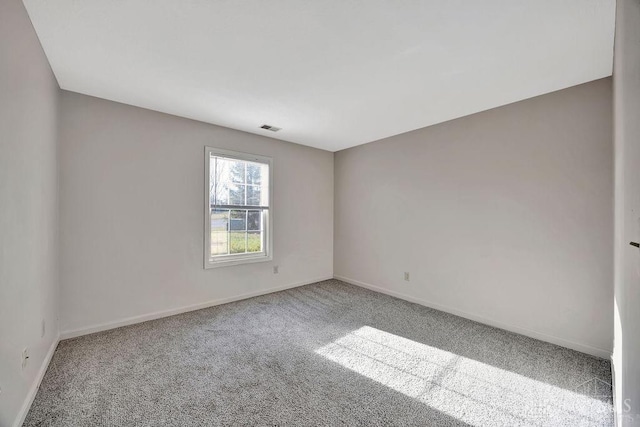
{"x":406,"y":276}
{"x":275,"y":269}
{"x":25,"y":357}
{"x":43,"y":328}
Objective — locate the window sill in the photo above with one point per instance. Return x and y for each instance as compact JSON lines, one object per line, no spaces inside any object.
{"x":236,"y":261}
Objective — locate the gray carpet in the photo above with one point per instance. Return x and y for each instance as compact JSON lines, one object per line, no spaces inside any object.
{"x":323,"y":354}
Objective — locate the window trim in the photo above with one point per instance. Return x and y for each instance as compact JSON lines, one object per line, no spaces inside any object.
{"x":236,"y":259}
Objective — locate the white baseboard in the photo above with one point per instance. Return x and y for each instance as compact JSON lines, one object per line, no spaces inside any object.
{"x":173,"y":311}
{"x":33,"y":390}
{"x":583,"y":348}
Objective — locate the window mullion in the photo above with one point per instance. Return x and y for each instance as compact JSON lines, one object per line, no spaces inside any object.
{"x":229,"y":232}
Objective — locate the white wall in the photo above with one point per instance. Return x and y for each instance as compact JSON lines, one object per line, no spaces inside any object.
{"x":626,"y":78}
{"x":28,"y":209}
{"x":132,"y":214}
{"x":505,"y":216}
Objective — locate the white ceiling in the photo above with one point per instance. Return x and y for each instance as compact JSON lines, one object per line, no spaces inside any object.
{"x":331,"y":73}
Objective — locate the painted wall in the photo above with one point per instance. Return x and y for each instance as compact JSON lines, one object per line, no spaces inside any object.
{"x":505,"y":216}
{"x":28,"y":209}
{"x":132,"y":185}
{"x":626,"y":82}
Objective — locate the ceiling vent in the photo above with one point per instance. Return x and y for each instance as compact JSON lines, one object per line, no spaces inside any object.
{"x":269,"y":127}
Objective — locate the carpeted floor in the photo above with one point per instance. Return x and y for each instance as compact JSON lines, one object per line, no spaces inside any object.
{"x":323,"y":354}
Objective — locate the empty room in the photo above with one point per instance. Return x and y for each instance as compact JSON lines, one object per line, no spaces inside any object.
{"x":319,"y":213}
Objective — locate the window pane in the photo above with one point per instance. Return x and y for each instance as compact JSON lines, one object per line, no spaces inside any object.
{"x":254,"y":173}
{"x":253,"y":195}
{"x":212,"y":179}
{"x":212,"y":189}
{"x":254,"y":241}
{"x":221,"y":193}
{"x":219,"y":220}
{"x":238,"y":220}
{"x":238,"y":244}
{"x":236,"y":194}
{"x":237,"y":171}
{"x":253,"y":221}
{"x":220,"y":177}
{"x":219,"y":243}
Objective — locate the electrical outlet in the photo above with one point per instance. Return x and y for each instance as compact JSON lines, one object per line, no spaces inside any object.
{"x":25,"y":357}
{"x":43,"y":328}
{"x":406,"y":276}
{"x":275,"y":269}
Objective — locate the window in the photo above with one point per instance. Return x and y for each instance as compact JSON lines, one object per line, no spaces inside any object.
{"x":237,"y":212}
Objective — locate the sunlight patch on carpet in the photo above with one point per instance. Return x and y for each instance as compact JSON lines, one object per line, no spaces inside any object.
{"x":473,"y":392}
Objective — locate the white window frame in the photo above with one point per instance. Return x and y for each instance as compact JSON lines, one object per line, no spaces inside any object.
{"x":245,"y":258}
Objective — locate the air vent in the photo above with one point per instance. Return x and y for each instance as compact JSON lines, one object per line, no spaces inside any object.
{"x":269,"y":127}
